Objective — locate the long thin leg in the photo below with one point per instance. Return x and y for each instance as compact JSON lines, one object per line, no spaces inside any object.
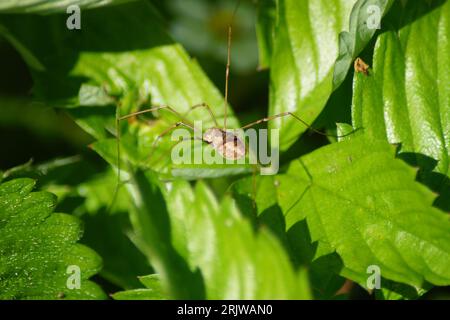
{"x":255,"y":168}
{"x":166,"y":131}
{"x":227,"y":75}
{"x":227,"y":70}
{"x":182,"y":117}
{"x":186,"y":123}
{"x":296,"y":117}
{"x":116,"y":189}
{"x":156,"y":108}
{"x":177,"y":143}
{"x":203,"y":105}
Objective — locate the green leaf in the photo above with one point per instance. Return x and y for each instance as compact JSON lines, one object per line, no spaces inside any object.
{"x":324,"y":271}
{"x":37,"y":246}
{"x":363,"y":25}
{"x":161,"y":159}
{"x":364,"y":204}
{"x":116,"y":53}
{"x":46,"y":7}
{"x":121,"y":51}
{"x":153,"y":290}
{"x":214,"y":241}
{"x":265,"y":29}
{"x":90,"y":197}
{"x":406,"y":98}
{"x":398,"y":291}
{"x":122,"y":261}
{"x":344,"y":131}
{"x":90,"y":95}
{"x":236,"y":262}
{"x":312,"y":53}
{"x":152,"y":235}
{"x":46,"y":172}
{"x":304,"y":52}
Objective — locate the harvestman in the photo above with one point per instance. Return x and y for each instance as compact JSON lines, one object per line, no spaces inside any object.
{"x":224,"y":141}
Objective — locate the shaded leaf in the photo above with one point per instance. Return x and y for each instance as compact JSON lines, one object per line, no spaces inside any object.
{"x":153,"y":290}
{"x":265,"y":29}
{"x":398,"y":291}
{"x":107,"y":227}
{"x":122,"y":261}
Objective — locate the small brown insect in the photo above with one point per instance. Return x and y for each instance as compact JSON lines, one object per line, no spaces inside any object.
{"x":361,"y":66}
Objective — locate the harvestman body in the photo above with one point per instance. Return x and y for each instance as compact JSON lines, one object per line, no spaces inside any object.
{"x":226,"y":143}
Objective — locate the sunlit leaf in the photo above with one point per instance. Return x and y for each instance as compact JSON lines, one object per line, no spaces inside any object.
{"x":324,"y":271}
{"x":46,"y":7}
{"x":406,"y":97}
{"x":364,"y":204}
{"x":38,"y":246}
{"x":304,"y":52}
{"x":312,"y":53}
{"x":234,"y":261}
{"x":365,"y":20}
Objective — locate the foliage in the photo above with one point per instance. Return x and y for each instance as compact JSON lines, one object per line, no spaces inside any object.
{"x":375,"y":213}
{"x":46,"y":7}
{"x":37,"y":246}
{"x":306,"y":70}
{"x":378,"y":196}
{"x":236,"y":264}
{"x":406,"y":100}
